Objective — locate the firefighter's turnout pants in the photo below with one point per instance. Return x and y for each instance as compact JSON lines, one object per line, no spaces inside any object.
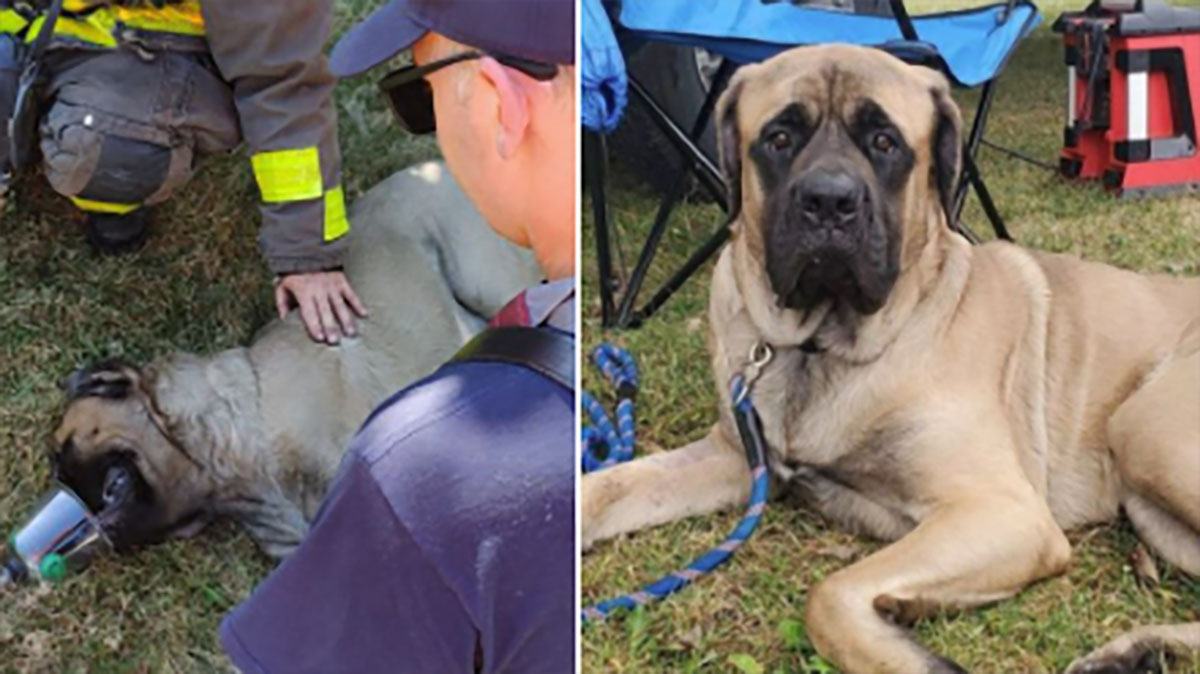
{"x":122,"y":128}
{"x":131,"y":98}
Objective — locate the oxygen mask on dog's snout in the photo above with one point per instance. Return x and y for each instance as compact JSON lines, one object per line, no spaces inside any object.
{"x":59,"y":538}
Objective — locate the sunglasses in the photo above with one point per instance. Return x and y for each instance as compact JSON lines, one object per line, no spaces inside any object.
{"x":411,"y":98}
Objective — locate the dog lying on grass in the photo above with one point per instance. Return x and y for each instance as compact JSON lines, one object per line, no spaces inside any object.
{"x":257,"y":433}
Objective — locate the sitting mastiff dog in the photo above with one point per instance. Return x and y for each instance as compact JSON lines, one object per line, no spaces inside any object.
{"x":257,"y":433}
{"x":967,"y":404}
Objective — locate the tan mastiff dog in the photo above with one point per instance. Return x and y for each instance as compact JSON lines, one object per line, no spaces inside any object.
{"x":257,"y":433}
{"x":966,"y":403}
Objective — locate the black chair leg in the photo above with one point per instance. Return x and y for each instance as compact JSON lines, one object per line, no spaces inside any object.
{"x":985,"y":200}
{"x":650,"y":248}
{"x":971,"y":177}
{"x":596,"y":155}
{"x":974,"y":137}
{"x":690,"y":267}
{"x":694,"y":162}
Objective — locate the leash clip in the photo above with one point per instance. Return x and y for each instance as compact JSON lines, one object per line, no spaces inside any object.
{"x":760,"y":355}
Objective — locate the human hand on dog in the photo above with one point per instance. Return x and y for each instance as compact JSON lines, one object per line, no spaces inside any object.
{"x":326,"y":301}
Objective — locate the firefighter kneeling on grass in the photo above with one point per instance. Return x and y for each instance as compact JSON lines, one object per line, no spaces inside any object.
{"x":121,"y":97}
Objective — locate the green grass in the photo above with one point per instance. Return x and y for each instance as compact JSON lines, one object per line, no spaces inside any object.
{"x":748,"y":615}
{"x":199,"y":285}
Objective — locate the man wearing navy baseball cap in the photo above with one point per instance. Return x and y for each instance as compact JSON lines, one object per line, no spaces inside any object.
{"x":447,"y":542}
{"x":500,"y":76}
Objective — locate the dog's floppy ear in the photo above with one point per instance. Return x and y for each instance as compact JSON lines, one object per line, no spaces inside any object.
{"x":947,"y":143}
{"x":729,"y":143}
{"x":110,"y":379}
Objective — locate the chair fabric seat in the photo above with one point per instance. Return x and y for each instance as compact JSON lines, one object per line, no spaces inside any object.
{"x":972,"y":45}
{"x":602,"y":68}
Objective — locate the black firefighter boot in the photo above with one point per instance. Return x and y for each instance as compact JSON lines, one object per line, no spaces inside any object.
{"x":112,"y":234}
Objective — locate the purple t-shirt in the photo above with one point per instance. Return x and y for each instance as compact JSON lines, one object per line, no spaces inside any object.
{"x":445,"y":543}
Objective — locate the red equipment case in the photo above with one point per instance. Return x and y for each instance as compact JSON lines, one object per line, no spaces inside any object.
{"x":1133,"y":95}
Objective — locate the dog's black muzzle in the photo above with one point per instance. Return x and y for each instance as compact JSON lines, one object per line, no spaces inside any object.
{"x":827,"y":241}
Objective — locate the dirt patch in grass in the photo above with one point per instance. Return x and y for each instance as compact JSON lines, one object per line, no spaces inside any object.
{"x":199,"y":285}
{"x":750,"y":612}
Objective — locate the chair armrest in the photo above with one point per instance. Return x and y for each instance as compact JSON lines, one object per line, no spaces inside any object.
{"x":915,"y":52}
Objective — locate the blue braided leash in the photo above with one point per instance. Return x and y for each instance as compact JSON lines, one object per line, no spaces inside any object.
{"x":604,"y":445}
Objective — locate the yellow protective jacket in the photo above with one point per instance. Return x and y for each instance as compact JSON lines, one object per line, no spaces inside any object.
{"x":272,"y":56}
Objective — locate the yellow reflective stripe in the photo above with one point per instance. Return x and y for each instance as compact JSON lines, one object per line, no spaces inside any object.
{"x":99,"y":26}
{"x":93,"y":206}
{"x":76,"y":6}
{"x":96,"y":29}
{"x":11,"y":21}
{"x":288,"y":175}
{"x":181,"y":19}
{"x":336,"y":223}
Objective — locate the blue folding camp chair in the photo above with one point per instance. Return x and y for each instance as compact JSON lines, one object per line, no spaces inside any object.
{"x":970,"y":47}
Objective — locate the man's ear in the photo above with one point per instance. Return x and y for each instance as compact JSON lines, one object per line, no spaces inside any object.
{"x":729,"y":143}
{"x":947,"y":144}
{"x":513,"y":101}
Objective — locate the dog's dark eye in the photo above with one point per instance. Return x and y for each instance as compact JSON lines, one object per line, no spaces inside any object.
{"x":779,"y":141}
{"x":883,"y":143}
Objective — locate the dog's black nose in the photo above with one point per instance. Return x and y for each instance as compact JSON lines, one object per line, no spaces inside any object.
{"x":830,"y":198}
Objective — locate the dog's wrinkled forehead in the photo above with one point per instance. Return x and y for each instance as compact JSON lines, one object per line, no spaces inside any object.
{"x":101,"y":399}
{"x":834,"y":82}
